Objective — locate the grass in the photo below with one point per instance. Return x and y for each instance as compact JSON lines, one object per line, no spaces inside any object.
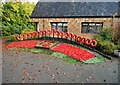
{"x":65,"y":58}
{"x":42,"y":51}
{"x":97,"y":59}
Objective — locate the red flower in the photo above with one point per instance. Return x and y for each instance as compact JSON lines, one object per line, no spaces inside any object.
{"x":29,"y":35}
{"x":41,"y":33}
{"x":49,"y":32}
{"x":46,"y":44}
{"x":79,"y":39}
{"x":62,"y":34}
{"x":70,"y":35}
{"x":45,"y":32}
{"x":93,"y":43}
{"x":54,"y":30}
{"x":75,"y":37}
{"x":20,"y":37}
{"x":22,"y":44}
{"x":74,"y":52}
{"x":66,"y":35}
{"x":24,"y":36}
{"x":88,"y":42}
{"x":57,"y":33}
{"x":83,"y":40}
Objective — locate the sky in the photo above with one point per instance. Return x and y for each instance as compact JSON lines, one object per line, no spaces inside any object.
{"x":69,"y":0}
{"x":24,"y":0}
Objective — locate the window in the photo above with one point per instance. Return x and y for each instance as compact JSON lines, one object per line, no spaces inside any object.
{"x":37,"y":26}
{"x":91,"y":27}
{"x":61,"y":26}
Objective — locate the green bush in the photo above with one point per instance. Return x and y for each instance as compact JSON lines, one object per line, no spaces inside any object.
{"x":107,"y":47}
{"x":98,"y":38}
{"x":118,"y":46}
{"x":16,"y":17}
{"x":13,"y":37}
{"x":106,"y":33}
{"x":26,"y":31}
{"x":104,"y":39}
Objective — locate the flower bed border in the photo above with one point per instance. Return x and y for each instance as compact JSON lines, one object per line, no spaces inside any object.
{"x":67,"y":37}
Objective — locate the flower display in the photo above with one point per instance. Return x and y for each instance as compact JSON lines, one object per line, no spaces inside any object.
{"x":83,"y":40}
{"x":75,"y":37}
{"x":22,"y":44}
{"x":32,"y":34}
{"x":41,"y":33}
{"x":70,"y":35}
{"x":66,"y":35}
{"x":93,"y":43}
{"x":46,"y":44}
{"x":87,"y":41}
{"x":36,"y":34}
{"x":74,"y":52}
{"x":49,"y":32}
{"x":29,"y":35}
{"x":20,"y":37}
{"x":57,"y":33}
{"x":61,"y":34}
{"x":53,"y":29}
{"x":45,"y":32}
{"x":79,"y":39}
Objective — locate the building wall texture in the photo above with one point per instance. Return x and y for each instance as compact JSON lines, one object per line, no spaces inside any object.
{"x":74,"y":24}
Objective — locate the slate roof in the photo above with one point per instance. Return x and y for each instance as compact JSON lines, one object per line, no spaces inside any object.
{"x":76,"y":9}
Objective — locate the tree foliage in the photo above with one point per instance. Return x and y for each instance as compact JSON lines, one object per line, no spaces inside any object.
{"x":16,"y":17}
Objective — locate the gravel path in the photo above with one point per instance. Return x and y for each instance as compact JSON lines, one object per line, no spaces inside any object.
{"x":27,"y":67}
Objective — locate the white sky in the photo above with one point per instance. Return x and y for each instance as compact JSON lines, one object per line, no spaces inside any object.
{"x":24,"y":0}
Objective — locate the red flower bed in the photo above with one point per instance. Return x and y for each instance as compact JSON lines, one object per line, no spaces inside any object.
{"x":22,"y":44}
{"x":46,"y":44}
{"x":74,"y":52}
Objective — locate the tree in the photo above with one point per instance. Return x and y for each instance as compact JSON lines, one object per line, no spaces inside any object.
{"x":16,"y":17}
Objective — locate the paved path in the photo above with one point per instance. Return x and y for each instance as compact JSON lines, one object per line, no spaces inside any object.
{"x":26,"y":67}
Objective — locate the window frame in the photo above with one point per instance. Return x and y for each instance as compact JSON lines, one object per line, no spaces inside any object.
{"x":88,"y":27}
{"x":59,"y":23}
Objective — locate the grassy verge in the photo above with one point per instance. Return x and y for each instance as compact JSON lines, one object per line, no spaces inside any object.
{"x":65,"y":58}
{"x":42,"y":51}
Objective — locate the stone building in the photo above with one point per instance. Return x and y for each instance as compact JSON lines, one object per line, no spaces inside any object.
{"x":81,"y":18}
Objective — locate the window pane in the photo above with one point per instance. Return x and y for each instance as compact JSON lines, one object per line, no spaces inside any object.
{"x":54,"y":25}
{"x":84,"y":29}
{"x":91,"y":27}
{"x":59,"y":26}
{"x":65,"y":27}
{"x":98,"y":27}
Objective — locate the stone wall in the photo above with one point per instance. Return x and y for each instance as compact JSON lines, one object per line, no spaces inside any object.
{"x":74,"y":24}
{"x":116,"y":29}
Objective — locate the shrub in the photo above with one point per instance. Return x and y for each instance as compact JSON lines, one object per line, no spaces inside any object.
{"x":15,"y":17}
{"x":98,"y":38}
{"x":26,"y":31}
{"x":106,"y":33}
{"x":13,"y":37}
{"x":106,"y":47}
{"x":104,"y":39}
{"x":118,"y":46}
